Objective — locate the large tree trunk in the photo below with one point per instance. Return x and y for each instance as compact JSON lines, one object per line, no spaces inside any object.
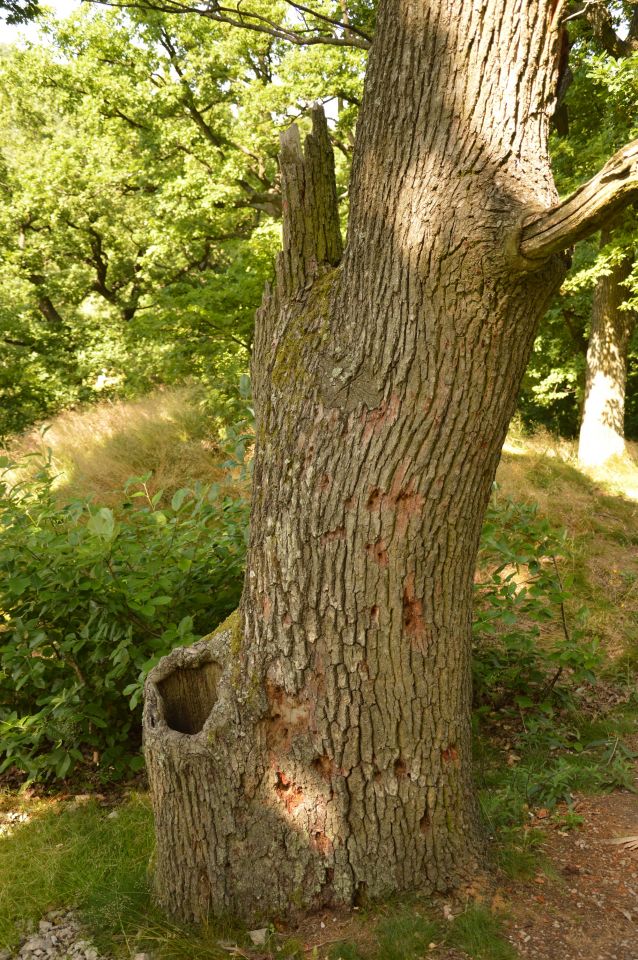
{"x":317,"y":749}
{"x":602,"y":429}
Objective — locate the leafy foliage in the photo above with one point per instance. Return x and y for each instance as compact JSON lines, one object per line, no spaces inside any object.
{"x":533,"y":657}
{"x":524,"y":591}
{"x":141,"y":199}
{"x":90,"y":599}
{"x":602,"y":105}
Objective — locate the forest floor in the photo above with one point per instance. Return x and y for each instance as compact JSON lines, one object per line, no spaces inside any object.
{"x":579,"y":902}
{"x":556,"y":888}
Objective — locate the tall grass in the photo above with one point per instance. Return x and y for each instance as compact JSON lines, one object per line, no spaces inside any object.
{"x":96,"y":450}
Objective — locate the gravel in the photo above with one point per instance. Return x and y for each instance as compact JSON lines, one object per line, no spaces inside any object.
{"x":59,"y":937}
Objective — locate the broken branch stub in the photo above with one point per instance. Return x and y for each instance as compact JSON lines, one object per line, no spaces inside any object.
{"x":311,"y":232}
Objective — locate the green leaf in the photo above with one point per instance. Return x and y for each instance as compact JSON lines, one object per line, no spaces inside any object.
{"x":102,"y":523}
{"x":178,"y":498}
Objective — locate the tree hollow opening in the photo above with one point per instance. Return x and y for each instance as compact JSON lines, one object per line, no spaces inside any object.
{"x":189,"y":694}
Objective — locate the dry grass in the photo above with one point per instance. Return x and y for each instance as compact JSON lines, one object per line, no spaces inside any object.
{"x":95,"y":451}
{"x":599,"y":511}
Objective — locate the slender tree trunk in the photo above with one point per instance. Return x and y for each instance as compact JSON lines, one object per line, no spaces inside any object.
{"x":602,"y":429}
{"x":317,"y":748}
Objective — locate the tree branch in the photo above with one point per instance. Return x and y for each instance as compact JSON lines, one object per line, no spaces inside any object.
{"x":251,"y":20}
{"x":583,"y":212}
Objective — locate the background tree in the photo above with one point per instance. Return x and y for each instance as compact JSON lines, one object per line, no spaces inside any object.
{"x":598,"y":115}
{"x":140,"y":200}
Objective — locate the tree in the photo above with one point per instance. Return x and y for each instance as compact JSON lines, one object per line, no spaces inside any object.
{"x":602,"y":429}
{"x":316,"y":749}
{"x":141,"y":199}
{"x":598,"y":114}
{"x":19,"y":11}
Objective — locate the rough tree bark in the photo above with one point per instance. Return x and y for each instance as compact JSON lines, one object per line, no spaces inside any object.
{"x":602,"y":429}
{"x":316,"y":749}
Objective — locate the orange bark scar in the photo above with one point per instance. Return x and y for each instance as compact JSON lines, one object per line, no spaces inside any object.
{"x":322,"y":843}
{"x":450,"y":754}
{"x":324,"y":766}
{"x":378,"y":552}
{"x":376,"y":420}
{"x":266,"y":606}
{"x":400,"y":769}
{"x":401,"y":498}
{"x":287,"y":718}
{"x":414,"y":625}
{"x":332,"y":535}
{"x":290,"y":795}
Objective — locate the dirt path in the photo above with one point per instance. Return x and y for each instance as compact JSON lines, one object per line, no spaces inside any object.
{"x":589,"y":911}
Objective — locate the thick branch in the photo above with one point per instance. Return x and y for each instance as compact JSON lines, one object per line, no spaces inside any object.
{"x":582,"y":213}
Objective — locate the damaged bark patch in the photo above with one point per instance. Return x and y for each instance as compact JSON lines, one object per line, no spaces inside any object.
{"x":385,"y":415}
{"x":402,"y":498}
{"x":400,"y":769}
{"x":188,"y":696}
{"x":378,"y":552}
{"x":332,"y":535}
{"x":322,"y":843}
{"x":450,"y":754}
{"x":288,"y":793}
{"x":414,"y":625}
{"x":288,"y":716}
{"x":324,"y":766}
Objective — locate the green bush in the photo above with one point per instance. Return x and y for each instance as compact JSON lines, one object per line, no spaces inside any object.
{"x":90,"y":599}
{"x":523,"y":590}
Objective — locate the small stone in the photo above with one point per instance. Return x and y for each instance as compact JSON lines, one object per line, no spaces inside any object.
{"x":33,"y":944}
{"x":142,"y":956}
{"x":258,"y":937}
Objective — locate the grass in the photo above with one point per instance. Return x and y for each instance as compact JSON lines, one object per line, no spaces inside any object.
{"x":75,"y":854}
{"x":406,"y":934}
{"x":95,"y":451}
{"x":478,"y":933}
{"x":95,"y":860}
{"x":599,"y":511}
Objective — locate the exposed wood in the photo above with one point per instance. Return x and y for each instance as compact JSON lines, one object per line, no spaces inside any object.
{"x":586,"y":210}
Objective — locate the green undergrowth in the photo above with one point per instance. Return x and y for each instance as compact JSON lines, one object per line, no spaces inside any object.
{"x":552,"y":711}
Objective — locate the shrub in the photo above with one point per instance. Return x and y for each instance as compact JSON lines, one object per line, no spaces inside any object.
{"x":90,"y":599}
{"x":520,"y":595}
